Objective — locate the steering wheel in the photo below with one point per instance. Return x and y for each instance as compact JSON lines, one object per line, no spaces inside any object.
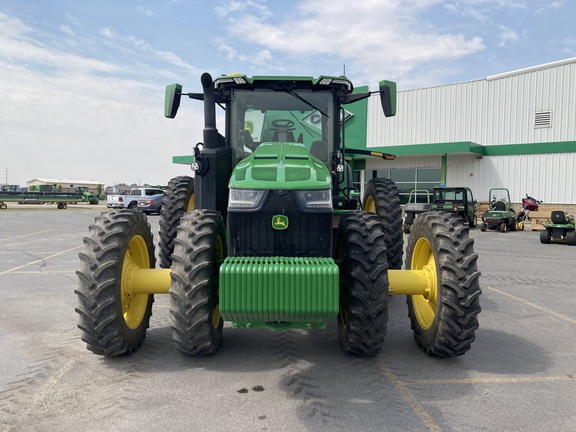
{"x":282,"y":123}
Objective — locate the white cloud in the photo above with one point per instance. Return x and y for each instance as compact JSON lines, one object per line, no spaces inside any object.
{"x":507,"y":35}
{"x":68,"y":115}
{"x":377,"y":36}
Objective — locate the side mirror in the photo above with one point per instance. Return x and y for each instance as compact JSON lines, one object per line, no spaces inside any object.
{"x":388,"y":97}
{"x":172,"y":100}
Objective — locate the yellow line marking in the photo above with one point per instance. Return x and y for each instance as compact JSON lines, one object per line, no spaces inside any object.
{"x":426,"y":418}
{"x":54,"y":379}
{"x":527,"y":379}
{"x":40,"y":260}
{"x":535,"y":306}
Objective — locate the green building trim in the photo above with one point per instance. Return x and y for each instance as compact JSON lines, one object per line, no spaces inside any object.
{"x":469,"y":147}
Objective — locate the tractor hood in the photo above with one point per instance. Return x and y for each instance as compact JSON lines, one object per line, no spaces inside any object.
{"x":280,"y":166}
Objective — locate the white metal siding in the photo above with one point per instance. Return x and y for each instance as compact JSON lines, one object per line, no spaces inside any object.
{"x":492,"y":111}
{"x":537,"y":175}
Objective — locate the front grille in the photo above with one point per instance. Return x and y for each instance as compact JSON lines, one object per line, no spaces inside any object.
{"x":307,"y":235}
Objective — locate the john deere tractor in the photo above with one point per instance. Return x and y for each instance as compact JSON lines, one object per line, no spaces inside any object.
{"x":271,"y":233}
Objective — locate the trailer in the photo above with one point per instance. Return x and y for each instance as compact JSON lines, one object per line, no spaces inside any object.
{"x":61,"y":199}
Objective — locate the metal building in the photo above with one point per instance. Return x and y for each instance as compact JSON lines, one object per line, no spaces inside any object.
{"x":515,"y":130}
{"x":64,"y":185}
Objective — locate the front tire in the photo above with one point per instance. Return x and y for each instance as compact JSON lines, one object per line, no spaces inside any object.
{"x":381,"y":197}
{"x":445,"y":321}
{"x":113,"y":320}
{"x":178,"y":199}
{"x":199,"y":249}
{"x":363,"y":315}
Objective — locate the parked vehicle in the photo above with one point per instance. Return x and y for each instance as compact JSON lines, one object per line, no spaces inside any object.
{"x":457,"y":200}
{"x":10,"y":193}
{"x":501,"y":216}
{"x":277,"y":237}
{"x":415,"y":207}
{"x":561,"y":229}
{"x":130,"y":200}
{"x":528,"y":204}
{"x":152,"y":204}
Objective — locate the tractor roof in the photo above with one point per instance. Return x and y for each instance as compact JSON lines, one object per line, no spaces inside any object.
{"x":323,"y":82}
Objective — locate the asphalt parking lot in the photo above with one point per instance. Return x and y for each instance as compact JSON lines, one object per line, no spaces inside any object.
{"x":520,"y":374}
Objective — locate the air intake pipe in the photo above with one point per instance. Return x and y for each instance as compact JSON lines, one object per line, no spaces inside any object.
{"x":211,"y":136}
{"x":214,"y":156}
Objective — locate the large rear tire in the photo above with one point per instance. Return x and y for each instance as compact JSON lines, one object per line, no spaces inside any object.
{"x":381,"y":197}
{"x":113,"y":320}
{"x":444,"y":322}
{"x":545,"y":237}
{"x":199,"y":249}
{"x":178,"y":199}
{"x":363,"y":314}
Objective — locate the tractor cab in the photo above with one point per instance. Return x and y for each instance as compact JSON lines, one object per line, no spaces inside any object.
{"x":281,"y":133}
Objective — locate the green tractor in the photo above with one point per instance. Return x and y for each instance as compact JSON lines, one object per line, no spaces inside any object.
{"x":561,"y":229}
{"x":271,"y":233}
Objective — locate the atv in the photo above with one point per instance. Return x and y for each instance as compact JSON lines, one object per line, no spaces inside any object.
{"x":560,"y":230}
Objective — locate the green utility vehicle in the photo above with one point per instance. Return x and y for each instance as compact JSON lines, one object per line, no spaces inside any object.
{"x":457,"y":200}
{"x":561,"y":229}
{"x":500,"y":216}
{"x":271,"y":233}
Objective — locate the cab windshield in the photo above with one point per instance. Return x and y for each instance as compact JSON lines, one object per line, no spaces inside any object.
{"x":260,"y":116}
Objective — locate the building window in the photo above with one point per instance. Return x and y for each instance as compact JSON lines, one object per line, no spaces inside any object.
{"x":542,"y":119}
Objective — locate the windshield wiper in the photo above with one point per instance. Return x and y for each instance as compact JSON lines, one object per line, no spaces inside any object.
{"x":300,"y":98}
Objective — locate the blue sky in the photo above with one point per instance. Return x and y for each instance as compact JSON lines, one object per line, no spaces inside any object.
{"x":82,"y":82}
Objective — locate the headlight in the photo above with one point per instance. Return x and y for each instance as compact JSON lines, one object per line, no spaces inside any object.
{"x":314,"y":200}
{"x":246,"y":199}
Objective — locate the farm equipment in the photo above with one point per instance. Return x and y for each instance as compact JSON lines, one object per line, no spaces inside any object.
{"x":271,"y":233}
{"x":457,"y":200}
{"x":61,"y":199}
{"x":561,"y":229}
{"x":501,"y":216}
{"x":413,"y":207}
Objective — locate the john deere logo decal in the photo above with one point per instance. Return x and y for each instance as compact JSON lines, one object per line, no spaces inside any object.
{"x":280,"y":222}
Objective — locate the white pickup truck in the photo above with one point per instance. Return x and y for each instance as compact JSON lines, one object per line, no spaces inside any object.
{"x":131,"y":200}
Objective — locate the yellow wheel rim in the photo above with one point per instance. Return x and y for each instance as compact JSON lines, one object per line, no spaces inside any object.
{"x":190,"y":205}
{"x":134,"y":305}
{"x":219,"y":256}
{"x":425,"y":305}
{"x":370,"y":206}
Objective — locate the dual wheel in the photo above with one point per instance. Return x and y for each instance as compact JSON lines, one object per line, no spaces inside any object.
{"x":113,"y":318}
